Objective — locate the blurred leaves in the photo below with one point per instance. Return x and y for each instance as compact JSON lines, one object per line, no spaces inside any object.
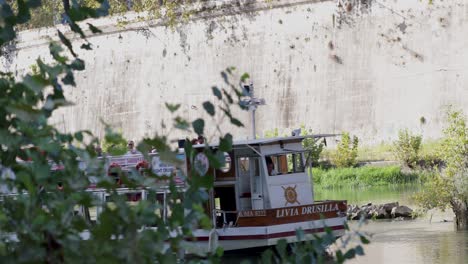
{"x":198,"y":126}
{"x":172,"y":107}
{"x":209,"y":108}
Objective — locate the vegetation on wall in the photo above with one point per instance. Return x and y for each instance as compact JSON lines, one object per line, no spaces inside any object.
{"x":54,"y":12}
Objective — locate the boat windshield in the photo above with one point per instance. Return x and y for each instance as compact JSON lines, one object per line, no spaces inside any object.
{"x":286,"y":163}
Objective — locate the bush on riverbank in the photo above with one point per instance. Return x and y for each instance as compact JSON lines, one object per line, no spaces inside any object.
{"x":366,"y":176}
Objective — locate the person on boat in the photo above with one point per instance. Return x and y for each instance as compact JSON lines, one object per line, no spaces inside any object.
{"x":98,"y":150}
{"x":201,"y":139}
{"x":270,"y":166}
{"x":131,"y":148}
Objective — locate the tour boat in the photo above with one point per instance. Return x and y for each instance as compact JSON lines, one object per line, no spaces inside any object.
{"x":262,"y":194}
{"x":249,"y":205}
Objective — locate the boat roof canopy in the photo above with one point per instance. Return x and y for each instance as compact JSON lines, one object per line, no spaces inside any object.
{"x":270,"y":141}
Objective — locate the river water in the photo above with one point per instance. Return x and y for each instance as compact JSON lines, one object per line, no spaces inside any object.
{"x":428,"y":239}
{"x":416,"y":241}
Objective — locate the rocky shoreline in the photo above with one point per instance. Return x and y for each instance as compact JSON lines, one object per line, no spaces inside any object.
{"x":380,"y":211}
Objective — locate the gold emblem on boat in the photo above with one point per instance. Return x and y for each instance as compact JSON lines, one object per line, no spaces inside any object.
{"x":290,"y":195}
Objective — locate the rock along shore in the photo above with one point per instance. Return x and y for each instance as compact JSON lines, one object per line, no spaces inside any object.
{"x":379,"y":211}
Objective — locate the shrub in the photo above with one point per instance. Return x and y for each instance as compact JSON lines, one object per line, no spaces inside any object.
{"x":450,"y":187}
{"x":114,"y":144}
{"x":364,"y":176}
{"x":313,"y":147}
{"x":406,"y":148}
{"x":346,"y":152}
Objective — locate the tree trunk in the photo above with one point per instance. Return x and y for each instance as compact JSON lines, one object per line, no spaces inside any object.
{"x":460,"y":208}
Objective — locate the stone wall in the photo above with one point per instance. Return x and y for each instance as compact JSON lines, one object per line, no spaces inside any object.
{"x":365,"y":66}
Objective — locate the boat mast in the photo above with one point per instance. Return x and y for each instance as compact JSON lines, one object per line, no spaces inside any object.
{"x":252,"y":102}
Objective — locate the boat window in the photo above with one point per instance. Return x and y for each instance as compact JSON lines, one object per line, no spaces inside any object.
{"x":243,"y":164}
{"x":227,"y":164}
{"x":287,"y":163}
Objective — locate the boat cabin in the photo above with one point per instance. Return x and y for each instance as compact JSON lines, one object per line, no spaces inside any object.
{"x":262,"y":174}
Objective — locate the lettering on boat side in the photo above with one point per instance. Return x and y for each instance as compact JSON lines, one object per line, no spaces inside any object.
{"x":252,"y":213}
{"x":306,"y":210}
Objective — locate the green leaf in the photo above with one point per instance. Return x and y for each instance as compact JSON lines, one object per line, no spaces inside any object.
{"x":23,"y":12}
{"x":172,"y":107}
{"x":359,"y":250}
{"x":231,"y":69}
{"x":217,"y":92}
{"x":181,"y":123}
{"x":364,"y":240}
{"x":228,"y":96}
{"x":209,"y":108}
{"x":350,"y":254}
{"x":94,"y":29}
{"x":339,"y":256}
{"x":34,"y":3}
{"x":35,"y":82}
{"x":69,"y":79}
{"x":77,"y":64}
{"x":86,"y":46}
{"x":77,"y":29}
{"x":198,"y":126}
{"x":66,"y":42}
{"x":225,"y":77}
{"x":244,"y":77}
{"x":25,"y":112}
{"x":236,"y":122}
{"x":79,"y":136}
{"x":216,"y":160}
{"x":225,"y":143}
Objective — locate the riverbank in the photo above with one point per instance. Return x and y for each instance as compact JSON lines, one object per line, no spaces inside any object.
{"x":367,"y":176}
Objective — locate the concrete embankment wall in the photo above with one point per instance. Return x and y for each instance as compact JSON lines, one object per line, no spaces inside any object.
{"x":371,"y":68}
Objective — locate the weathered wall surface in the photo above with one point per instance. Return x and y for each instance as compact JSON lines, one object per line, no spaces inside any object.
{"x":371,"y":68}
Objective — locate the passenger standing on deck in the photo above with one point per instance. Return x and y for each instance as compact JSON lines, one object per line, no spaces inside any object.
{"x":131,"y":148}
{"x":201,"y":139}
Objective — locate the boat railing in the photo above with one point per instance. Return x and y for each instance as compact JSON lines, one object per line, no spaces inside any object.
{"x":223,"y":219}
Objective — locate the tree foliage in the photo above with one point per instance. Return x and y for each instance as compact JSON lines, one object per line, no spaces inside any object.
{"x":114,"y":143}
{"x":450,"y":188}
{"x":40,"y":223}
{"x":406,"y":148}
{"x":313,"y":146}
{"x":346,"y":151}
